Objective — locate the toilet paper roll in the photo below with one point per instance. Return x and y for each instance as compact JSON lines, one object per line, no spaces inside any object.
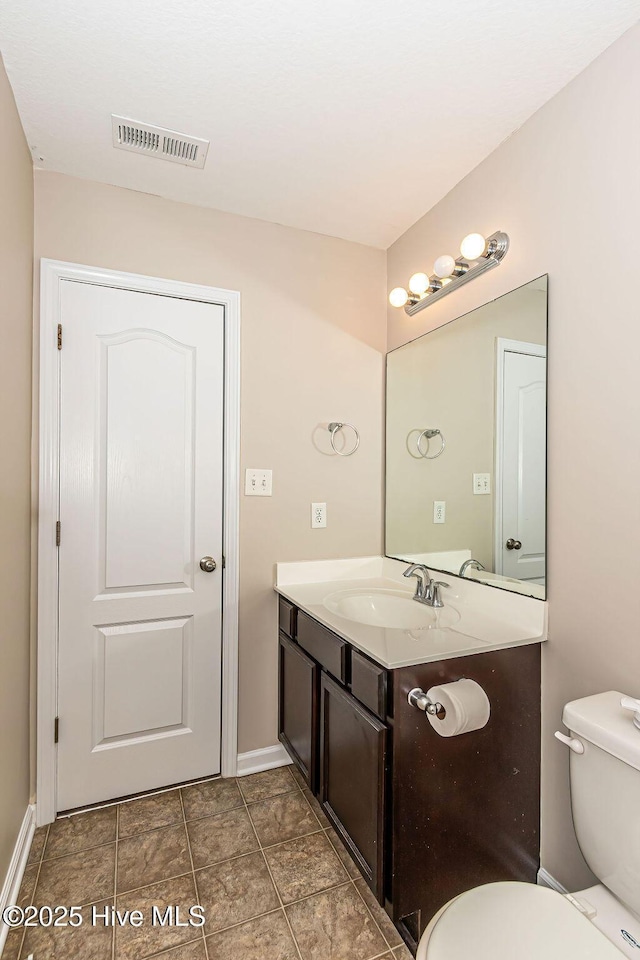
{"x":466,"y":704}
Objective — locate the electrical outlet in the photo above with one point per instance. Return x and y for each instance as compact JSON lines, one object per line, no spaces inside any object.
{"x":318,"y":515}
{"x":439,"y":510}
{"x":481,"y":483}
{"x":258,"y":483}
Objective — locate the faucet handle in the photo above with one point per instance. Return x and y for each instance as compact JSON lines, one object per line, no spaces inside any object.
{"x":434,"y":592}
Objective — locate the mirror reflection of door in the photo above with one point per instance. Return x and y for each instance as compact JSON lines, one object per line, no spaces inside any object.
{"x":481,"y":381}
{"x":520,"y":460}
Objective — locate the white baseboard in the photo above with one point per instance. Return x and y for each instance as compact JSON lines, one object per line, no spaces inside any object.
{"x":13,"y":879}
{"x":256,"y":760}
{"x":546,"y":880}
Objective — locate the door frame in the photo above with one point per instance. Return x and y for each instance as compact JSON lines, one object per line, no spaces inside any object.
{"x":52,"y":272}
{"x":503,"y":346}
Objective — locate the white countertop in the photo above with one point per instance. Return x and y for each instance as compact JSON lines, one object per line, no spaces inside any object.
{"x":489,"y":619}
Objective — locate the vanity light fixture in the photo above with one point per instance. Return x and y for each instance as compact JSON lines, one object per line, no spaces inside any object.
{"x":477,"y":255}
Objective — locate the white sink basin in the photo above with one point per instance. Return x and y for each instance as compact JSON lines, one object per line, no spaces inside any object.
{"x":392,"y":609}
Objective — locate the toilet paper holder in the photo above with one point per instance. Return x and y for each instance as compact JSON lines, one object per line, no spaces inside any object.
{"x":418,"y":698}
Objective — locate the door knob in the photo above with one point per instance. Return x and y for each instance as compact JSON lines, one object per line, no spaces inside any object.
{"x":512,"y":544}
{"x":208,"y":564}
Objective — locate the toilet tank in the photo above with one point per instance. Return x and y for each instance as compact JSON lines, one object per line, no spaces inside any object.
{"x":605,"y":792}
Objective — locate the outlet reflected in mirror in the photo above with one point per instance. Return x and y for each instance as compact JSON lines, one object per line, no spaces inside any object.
{"x":466,"y":444}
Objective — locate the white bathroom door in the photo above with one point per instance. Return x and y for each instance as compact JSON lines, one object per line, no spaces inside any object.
{"x":139,"y":655}
{"x":523,"y":464}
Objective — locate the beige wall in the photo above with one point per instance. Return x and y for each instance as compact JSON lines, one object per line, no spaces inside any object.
{"x":313,"y":341}
{"x":566,"y":189}
{"x":16,"y":252}
{"x":447,"y":380}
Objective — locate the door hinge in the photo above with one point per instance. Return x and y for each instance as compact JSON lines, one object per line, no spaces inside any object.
{"x":59,"y":336}
{"x":56,"y":729}
{"x":57,"y":533}
{"x":224,"y":562}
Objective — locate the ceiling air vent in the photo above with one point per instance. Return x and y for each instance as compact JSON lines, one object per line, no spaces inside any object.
{"x":158,"y":142}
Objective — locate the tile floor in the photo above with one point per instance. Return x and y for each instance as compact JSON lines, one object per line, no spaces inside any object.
{"x":257,"y":853}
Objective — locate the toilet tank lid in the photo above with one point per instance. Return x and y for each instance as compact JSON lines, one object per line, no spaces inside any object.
{"x":601,"y":720}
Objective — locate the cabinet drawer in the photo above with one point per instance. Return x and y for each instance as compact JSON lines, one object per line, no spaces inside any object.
{"x":369,"y":684}
{"x":287,"y":617}
{"x":323,"y":645}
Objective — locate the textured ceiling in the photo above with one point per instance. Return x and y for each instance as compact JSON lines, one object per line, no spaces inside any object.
{"x":347,"y":117}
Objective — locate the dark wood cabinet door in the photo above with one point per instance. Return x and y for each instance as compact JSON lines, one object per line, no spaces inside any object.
{"x":353,"y":757}
{"x":298,"y":708}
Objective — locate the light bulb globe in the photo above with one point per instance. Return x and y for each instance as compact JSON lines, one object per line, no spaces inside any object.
{"x":444,"y":266}
{"x":473,"y":246}
{"x":398,"y":297}
{"x":419,"y":283}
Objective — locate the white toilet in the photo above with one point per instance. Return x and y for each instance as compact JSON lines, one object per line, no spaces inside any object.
{"x":522,"y":921}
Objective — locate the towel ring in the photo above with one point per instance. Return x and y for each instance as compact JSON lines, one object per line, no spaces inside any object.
{"x":333,"y":429}
{"x":429,"y":434}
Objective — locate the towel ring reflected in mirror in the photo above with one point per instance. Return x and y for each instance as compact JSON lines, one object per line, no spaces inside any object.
{"x":333,"y":429}
{"x":429,"y":434}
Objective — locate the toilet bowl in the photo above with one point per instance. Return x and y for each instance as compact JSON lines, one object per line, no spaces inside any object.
{"x":512,"y":920}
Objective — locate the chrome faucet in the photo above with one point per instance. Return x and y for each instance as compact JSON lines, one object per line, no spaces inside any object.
{"x":423,"y":585}
{"x":427,"y":590}
{"x":470,"y":563}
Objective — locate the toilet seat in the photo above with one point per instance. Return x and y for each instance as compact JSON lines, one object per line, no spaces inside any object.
{"x":501,"y":921}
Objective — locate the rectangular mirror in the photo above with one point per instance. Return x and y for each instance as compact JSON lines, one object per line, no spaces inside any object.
{"x":466,"y":445}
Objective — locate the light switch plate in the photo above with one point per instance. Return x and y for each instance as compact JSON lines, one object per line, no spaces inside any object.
{"x":481,"y":483}
{"x":318,"y":515}
{"x":439,"y":511}
{"x":258,"y":483}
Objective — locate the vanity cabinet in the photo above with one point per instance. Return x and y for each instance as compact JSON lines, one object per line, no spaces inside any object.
{"x":424,"y":817}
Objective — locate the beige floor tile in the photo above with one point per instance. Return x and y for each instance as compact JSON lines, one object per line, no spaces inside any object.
{"x":267,"y":938}
{"x":297,"y":776}
{"x":343,"y":853}
{"x":282,"y":818}
{"x":222,"y":837}
{"x":188,"y":951}
{"x":28,"y":885}
{"x":87,"y":941}
{"x":268,"y":783}
{"x":147,"y":813}
{"x":380,"y":915}
{"x":149,"y":857}
{"x":305,"y":866}
{"x":331,"y":917}
{"x":37,"y":844}
{"x":317,"y":809}
{"x":135,"y":943}
{"x":335,"y":925}
{"x":402,"y":953}
{"x":84,"y":877}
{"x":209,"y":798}
{"x":25,"y":897}
{"x":12,"y":944}
{"x":235,"y":891}
{"x":80,"y":832}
